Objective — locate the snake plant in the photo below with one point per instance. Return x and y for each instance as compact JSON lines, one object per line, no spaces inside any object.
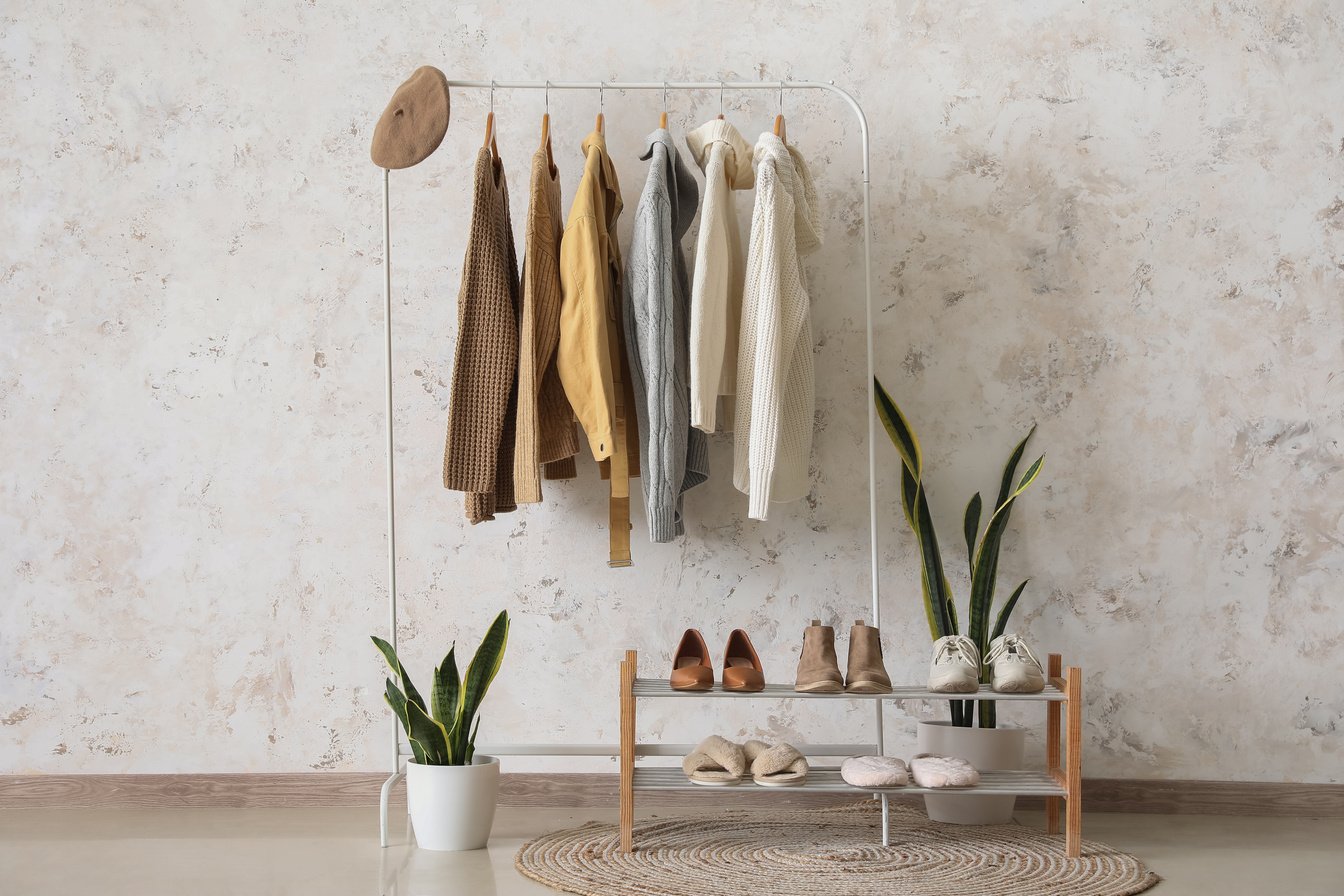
{"x":982,"y":548}
{"x":441,"y":731}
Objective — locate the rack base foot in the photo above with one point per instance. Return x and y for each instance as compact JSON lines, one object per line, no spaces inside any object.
{"x":383,"y":797}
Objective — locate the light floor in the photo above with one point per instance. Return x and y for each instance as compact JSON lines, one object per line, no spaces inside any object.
{"x":334,"y":852}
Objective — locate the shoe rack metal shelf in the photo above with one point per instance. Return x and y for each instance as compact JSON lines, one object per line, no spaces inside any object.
{"x":658,"y":687}
{"x":1060,"y":781}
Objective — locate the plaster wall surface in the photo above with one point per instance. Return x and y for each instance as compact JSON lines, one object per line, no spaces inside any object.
{"x":1122,"y":222}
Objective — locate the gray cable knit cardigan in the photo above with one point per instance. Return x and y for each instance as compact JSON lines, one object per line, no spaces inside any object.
{"x":657,"y":324}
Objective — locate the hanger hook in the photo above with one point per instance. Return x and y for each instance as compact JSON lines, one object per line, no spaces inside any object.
{"x":720,"y":98}
{"x":664,"y":94}
{"x":781,"y":97}
{"x":602,"y":95}
{"x":492,"y":96}
{"x":548,"y":97}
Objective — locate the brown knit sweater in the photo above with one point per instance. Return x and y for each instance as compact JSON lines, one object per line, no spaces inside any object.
{"x":478,"y":454}
{"x":545,"y":430}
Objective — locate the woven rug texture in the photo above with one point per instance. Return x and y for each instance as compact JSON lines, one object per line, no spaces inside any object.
{"x":825,"y":852}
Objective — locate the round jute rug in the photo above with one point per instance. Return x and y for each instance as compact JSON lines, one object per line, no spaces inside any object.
{"x":825,"y":852}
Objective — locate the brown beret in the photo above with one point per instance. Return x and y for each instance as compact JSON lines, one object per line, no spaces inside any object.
{"x":414,"y":123}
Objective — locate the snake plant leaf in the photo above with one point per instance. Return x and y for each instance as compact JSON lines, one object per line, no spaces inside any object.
{"x":1001,"y":625}
{"x":989,"y":715}
{"x":933,"y":579}
{"x":446,"y":693}
{"x":902,"y":434}
{"x":431,"y":736}
{"x":971,"y":526}
{"x":909,"y":492}
{"x":471,"y":744}
{"x":1010,"y":468}
{"x":481,"y":672}
{"x":397,"y":700}
{"x":1030,"y":476}
{"x":390,"y":654}
{"x":986,"y":568}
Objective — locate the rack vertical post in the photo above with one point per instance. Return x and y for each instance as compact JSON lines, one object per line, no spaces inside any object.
{"x":629,"y":666}
{"x":1054,"y":667}
{"x":1073,"y":759}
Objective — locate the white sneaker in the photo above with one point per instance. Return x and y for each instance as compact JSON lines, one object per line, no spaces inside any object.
{"x":956,"y":666}
{"x":1014,"y":669}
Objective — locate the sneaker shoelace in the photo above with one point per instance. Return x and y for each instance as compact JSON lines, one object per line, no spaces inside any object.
{"x":960,"y":649}
{"x":1013,"y":649}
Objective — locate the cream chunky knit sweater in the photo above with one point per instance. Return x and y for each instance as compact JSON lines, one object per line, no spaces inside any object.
{"x":776,"y":396}
{"x":716,"y":288}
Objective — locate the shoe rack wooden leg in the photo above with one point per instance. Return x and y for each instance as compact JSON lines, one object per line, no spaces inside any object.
{"x":1054,"y":669}
{"x":1073,"y":759}
{"x":628,"y":668}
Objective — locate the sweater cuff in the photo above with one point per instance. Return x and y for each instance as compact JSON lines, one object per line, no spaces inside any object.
{"x":664,"y":522}
{"x":702,"y":413}
{"x":758,"y":503}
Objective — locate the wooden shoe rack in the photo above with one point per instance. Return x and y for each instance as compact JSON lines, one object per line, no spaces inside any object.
{"x":1061,"y":780}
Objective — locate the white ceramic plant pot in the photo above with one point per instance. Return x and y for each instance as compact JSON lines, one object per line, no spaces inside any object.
{"x":453,"y":806}
{"x":988,"y":749}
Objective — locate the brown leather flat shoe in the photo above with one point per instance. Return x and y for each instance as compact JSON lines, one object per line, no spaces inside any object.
{"x":690,"y":665}
{"x":741,"y":666}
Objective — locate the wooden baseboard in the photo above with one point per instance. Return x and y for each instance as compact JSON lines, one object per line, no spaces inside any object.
{"x":334,"y":789}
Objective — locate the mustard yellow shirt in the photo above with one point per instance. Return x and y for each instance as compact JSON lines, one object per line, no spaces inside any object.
{"x":590,"y":265}
{"x":591,"y":356}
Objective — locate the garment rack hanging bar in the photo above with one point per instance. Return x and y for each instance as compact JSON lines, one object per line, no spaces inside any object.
{"x":736,"y":86}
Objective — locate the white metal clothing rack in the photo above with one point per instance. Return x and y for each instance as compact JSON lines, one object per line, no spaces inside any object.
{"x":401,"y":750}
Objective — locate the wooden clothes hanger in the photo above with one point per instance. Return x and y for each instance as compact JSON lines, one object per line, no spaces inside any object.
{"x":720,"y":101}
{"x":490,"y":143}
{"x":662,"y":117}
{"x":779,"y":119}
{"x":546,"y":131}
{"x":601,"y":125}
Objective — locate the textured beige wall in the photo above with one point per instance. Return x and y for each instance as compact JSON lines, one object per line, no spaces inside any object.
{"x":1123,"y":221}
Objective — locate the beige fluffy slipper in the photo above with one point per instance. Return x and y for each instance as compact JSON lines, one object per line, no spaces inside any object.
{"x":874,"y":771}
{"x":717,"y":762}
{"x":778,"y":766}
{"x":929,"y":770}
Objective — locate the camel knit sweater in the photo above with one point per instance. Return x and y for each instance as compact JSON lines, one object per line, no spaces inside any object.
{"x":545,"y":429}
{"x":775,"y":388}
{"x":478,"y":452}
{"x":716,"y":290}
{"x":657,"y":297}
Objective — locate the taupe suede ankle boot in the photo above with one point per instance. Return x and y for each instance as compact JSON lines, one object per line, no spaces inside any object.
{"x":865,"y":673}
{"x":818,"y":669}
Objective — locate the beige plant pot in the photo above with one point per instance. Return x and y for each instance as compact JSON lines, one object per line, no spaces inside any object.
{"x":988,"y":749}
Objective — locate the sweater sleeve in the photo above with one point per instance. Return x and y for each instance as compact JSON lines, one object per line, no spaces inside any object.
{"x":584,"y":358}
{"x":654,"y":347}
{"x":526,"y":467}
{"x":709,"y":296}
{"x":764,"y":351}
{"x":775,"y":417}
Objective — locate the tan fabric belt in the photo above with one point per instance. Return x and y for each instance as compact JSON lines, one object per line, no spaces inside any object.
{"x":619,"y":509}
{"x":620,"y":533}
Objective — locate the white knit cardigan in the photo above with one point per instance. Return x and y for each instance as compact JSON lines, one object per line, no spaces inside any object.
{"x":716,"y":286}
{"x":776,"y":395}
